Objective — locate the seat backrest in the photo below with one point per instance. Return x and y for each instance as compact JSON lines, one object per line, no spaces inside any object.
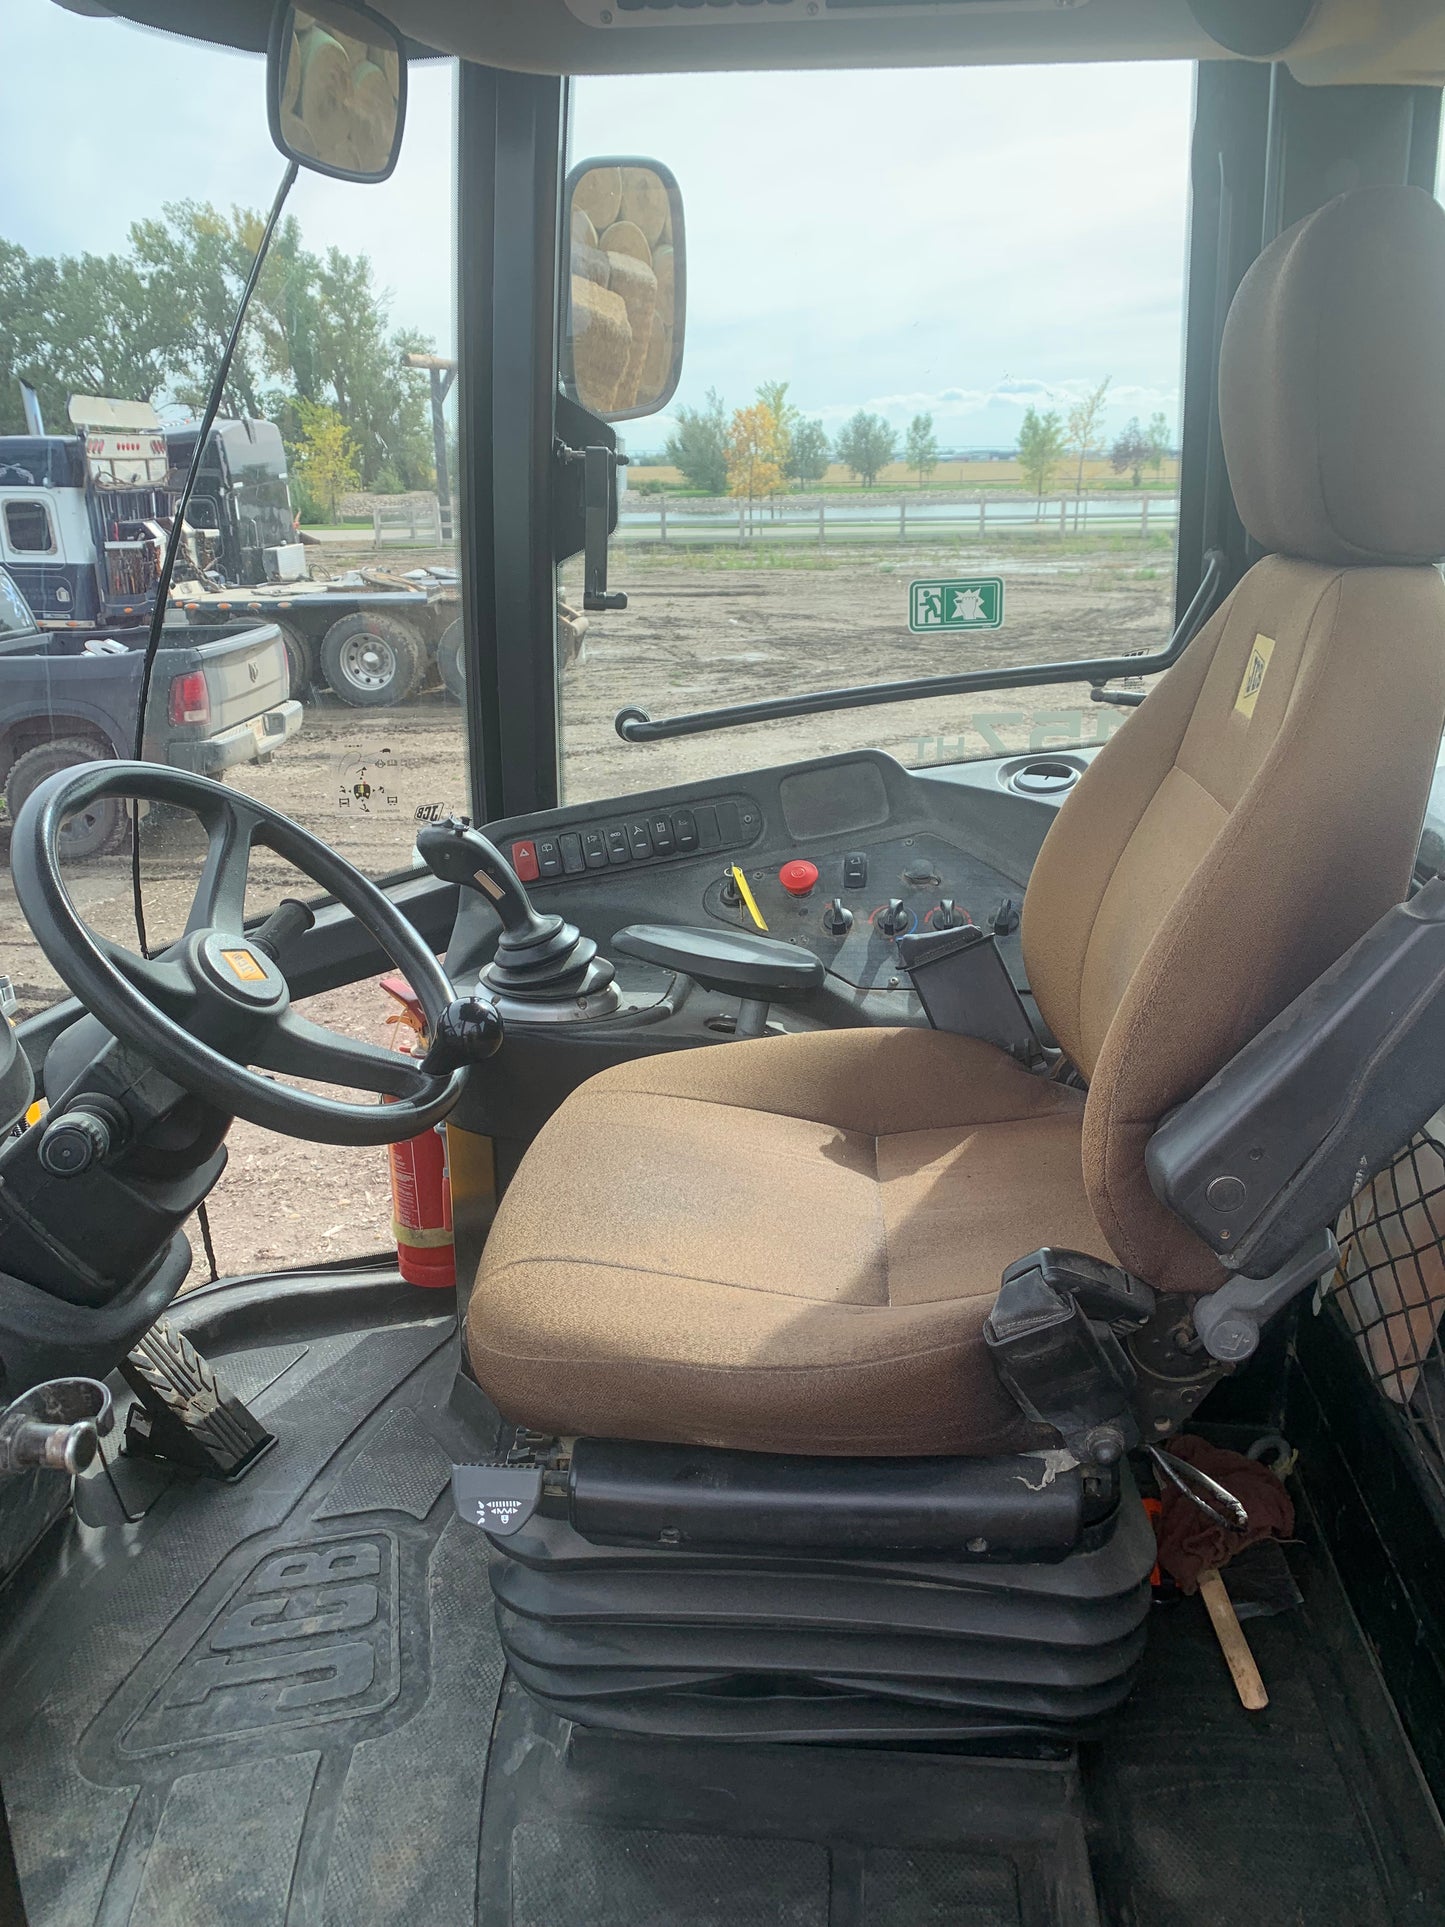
{"x":1263,"y":806}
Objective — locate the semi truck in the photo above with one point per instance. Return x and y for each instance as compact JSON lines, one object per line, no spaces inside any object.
{"x":84,"y":518}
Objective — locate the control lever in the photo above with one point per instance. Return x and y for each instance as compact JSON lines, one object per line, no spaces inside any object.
{"x":837,"y":918}
{"x":896,"y":918}
{"x":539,"y":960}
{"x":946,"y":916}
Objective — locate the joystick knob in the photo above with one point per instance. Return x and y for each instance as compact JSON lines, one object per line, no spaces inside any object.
{"x":895,"y":919}
{"x":837,"y":918}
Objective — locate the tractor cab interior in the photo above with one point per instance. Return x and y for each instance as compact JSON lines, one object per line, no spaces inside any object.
{"x":912,"y":1221}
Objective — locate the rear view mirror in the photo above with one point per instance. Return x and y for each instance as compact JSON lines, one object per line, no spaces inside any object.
{"x":336,"y":88}
{"x":622,"y":351}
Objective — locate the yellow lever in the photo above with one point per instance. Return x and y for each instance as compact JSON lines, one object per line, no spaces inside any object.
{"x":748,"y":898}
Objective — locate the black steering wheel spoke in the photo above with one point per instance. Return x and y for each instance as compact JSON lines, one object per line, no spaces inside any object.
{"x":163,"y":979}
{"x":215,"y":1004}
{"x":293,"y":1044}
{"x":220,"y":899}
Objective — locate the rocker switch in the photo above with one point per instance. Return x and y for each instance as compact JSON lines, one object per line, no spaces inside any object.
{"x":855,"y":871}
{"x":524,"y":860}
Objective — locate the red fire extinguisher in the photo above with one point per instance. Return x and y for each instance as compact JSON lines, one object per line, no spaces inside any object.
{"x":421,"y":1192}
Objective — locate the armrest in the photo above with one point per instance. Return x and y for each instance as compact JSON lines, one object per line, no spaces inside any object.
{"x":732,"y":961}
{"x":1272,"y":1149}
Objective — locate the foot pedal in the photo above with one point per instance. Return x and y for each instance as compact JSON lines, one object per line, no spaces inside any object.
{"x":185,"y":1414}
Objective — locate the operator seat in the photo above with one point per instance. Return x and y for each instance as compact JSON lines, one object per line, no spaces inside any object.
{"x":791,"y":1245}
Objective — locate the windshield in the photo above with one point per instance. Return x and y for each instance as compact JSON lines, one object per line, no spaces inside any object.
{"x":929,"y":411}
{"x":316,"y":597}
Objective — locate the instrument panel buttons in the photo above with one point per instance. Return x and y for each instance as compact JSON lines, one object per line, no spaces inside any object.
{"x":594,"y":849}
{"x":618,"y":848}
{"x":524,"y":860}
{"x":549,"y":856}
{"x":573,"y":861}
{"x":639,"y":840}
{"x":855,"y":870}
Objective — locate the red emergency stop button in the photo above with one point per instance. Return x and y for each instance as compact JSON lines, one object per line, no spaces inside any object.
{"x":524,"y":860}
{"x":798,"y":877}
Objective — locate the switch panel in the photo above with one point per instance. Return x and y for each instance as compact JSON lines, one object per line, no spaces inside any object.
{"x":728,"y":824}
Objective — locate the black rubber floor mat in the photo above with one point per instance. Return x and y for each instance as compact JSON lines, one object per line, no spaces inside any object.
{"x":1311,"y":1811}
{"x":584,"y":1828}
{"x":266,"y":1704}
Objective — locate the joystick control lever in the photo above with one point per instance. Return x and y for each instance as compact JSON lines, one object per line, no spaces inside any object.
{"x":539,"y":960}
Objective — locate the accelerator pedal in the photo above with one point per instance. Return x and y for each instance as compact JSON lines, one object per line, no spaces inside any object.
{"x":184,"y":1414}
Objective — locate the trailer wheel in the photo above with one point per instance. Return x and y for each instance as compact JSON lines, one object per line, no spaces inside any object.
{"x":301,"y":662}
{"x":451,"y":663}
{"x":89,"y":833}
{"x":371,"y":660}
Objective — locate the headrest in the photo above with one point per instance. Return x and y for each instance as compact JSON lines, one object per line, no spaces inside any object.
{"x":1332,"y":383}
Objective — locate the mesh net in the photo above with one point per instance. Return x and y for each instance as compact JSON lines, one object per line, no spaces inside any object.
{"x":1390,"y":1286}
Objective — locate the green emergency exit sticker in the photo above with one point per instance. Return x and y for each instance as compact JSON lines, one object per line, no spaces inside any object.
{"x":962,"y":602}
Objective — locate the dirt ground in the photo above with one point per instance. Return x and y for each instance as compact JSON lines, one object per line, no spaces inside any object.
{"x":697,"y":633}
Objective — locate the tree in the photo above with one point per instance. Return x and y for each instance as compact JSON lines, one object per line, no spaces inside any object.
{"x":865,"y":445}
{"x":325,"y":454}
{"x":808,"y":453}
{"x":1131,"y":451}
{"x":1158,"y":437}
{"x":752,"y":453}
{"x":150,"y":325}
{"x":697,"y":447}
{"x":774,"y":395}
{"x":920,"y":451}
{"x":1041,"y":448}
{"x":1085,"y":420}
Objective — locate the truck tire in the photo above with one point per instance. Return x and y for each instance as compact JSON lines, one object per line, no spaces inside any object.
{"x":91,"y":833}
{"x":300,"y":660}
{"x":371,"y":661}
{"x":451,"y":663}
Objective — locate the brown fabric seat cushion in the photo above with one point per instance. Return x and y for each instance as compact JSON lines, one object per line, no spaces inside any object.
{"x":787,"y":1245}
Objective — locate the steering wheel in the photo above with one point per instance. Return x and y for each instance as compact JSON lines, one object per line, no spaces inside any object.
{"x":215,"y":1003}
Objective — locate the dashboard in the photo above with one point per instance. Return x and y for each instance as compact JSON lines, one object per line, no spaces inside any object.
{"x":842,"y":855}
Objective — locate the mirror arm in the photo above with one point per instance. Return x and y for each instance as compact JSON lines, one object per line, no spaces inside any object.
{"x":600,"y":466}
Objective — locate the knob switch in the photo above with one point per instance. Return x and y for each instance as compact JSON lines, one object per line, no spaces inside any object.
{"x":946,"y":916}
{"x":837,"y":918}
{"x":895,"y":919}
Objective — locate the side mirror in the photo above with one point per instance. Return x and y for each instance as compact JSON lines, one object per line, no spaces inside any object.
{"x":336,"y":88}
{"x":627,"y":290}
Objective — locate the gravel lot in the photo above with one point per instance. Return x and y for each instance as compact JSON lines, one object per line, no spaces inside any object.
{"x":698,"y":633}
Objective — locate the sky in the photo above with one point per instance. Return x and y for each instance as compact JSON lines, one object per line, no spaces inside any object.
{"x":962,"y":243}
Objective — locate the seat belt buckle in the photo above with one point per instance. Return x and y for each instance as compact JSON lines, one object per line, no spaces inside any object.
{"x":1054,"y":1337}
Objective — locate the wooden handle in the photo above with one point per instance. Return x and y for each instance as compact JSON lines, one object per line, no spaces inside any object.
{"x":1232,"y":1642}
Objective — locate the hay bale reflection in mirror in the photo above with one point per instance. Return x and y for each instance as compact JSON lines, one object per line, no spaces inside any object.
{"x":622,"y":242}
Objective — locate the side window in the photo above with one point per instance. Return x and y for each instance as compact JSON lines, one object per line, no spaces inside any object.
{"x":28,"y":530}
{"x":928,"y":416}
